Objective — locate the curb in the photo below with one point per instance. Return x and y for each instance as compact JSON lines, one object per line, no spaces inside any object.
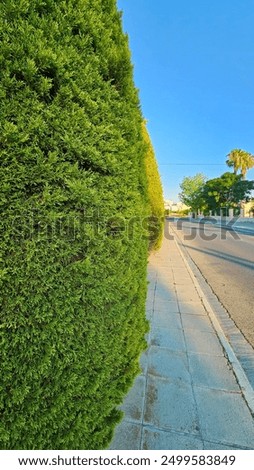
{"x":242,"y":379}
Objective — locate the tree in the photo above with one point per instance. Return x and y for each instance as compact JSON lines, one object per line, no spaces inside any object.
{"x":73,"y":288}
{"x":240,"y":160}
{"x":191,"y":194}
{"x":226,"y":191}
{"x":155,"y":194}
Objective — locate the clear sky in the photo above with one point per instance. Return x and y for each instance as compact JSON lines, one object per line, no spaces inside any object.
{"x":194,"y":68}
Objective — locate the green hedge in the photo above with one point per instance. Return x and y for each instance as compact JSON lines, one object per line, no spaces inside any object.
{"x":72,"y":276}
{"x":155,"y":194}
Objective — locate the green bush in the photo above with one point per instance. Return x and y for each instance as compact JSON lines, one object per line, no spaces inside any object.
{"x":73,"y":282}
{"x":155,"y":194}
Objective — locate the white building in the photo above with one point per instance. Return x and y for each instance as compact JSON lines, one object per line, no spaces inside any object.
{"x":174,"y":206}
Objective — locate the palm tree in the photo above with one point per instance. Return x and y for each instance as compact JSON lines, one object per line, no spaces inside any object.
{"x":247,"y":164}
{"x":240,"y":160}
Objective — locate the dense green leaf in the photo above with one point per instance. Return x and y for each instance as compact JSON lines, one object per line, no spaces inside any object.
{"x":72,"y":260}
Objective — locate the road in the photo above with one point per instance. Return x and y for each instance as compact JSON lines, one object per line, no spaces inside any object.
{"x":226,"y":260}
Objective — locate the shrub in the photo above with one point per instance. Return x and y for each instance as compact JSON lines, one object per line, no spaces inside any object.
{"x":73,"y":285}
{"x":155,"y":194}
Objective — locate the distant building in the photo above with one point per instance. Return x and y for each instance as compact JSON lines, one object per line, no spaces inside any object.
{"x":168,"y":204}
{"x":248,"y":209}
{"x":174,"y":206}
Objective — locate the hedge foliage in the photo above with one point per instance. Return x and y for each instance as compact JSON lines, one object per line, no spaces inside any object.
{"x":73,"y":193}
{"x":155,"y":194}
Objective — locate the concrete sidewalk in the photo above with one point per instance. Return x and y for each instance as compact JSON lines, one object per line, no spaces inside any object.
{"x":187,"y":396}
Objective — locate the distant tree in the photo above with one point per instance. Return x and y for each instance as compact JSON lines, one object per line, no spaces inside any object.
{"x":240,"y":160}
{"x":191,"y":193}
{"x":226,"y":191}
{"x":155,"y":193}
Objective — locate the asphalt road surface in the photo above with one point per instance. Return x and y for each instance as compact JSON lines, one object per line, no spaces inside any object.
{"x":226,"y":260}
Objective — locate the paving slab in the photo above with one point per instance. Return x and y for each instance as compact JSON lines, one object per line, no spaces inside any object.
{"x":203,"y":342}
{"x":169,"y":306}
{"x":165,"y":319}
{"x":196,"y":322}
{"x":224,"y":416}
{"x":188,"y":291}
{"x":159,"y":440}
{"x":168,"y":364}
{"x":181,"y":281}
{"x":134,"y":403}
{"x":127,"y":437}
{"x":143,"y":363}
{"x":165,"y":272}
{"x":189,"y":295}
{"x":194,"y":308}
{"x":170,"y":405}
{"x":180,"y":271}
{"x":204,"y":373}
{"x":163,"y":292}
{"x":171,"y":338}
{"x":165,"y":280}
{"x":149,"y":312}
{"x":150,"y":302}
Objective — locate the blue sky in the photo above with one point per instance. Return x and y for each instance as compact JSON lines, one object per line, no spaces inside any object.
{"x":194,"y":68}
